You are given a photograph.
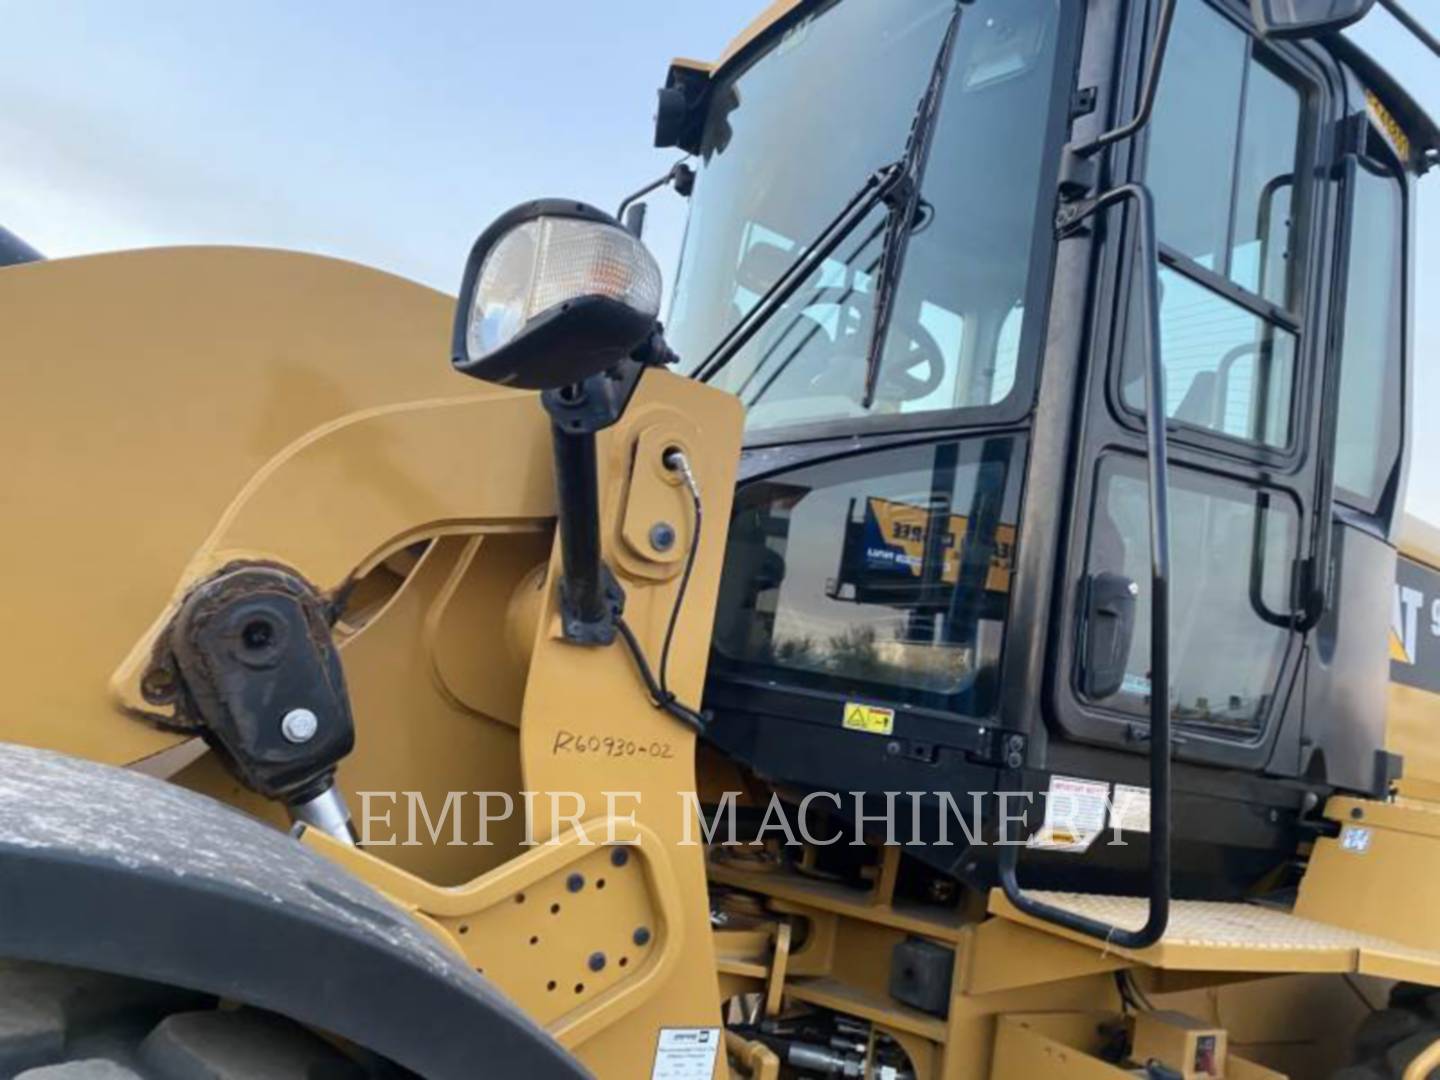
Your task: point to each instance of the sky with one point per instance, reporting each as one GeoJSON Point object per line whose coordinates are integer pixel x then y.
{"type": "Point", "coordinates": [391, 133]}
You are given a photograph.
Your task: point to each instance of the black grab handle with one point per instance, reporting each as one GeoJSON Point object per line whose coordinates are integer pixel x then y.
{"type": "Point", "coordinates": [1159, 489]}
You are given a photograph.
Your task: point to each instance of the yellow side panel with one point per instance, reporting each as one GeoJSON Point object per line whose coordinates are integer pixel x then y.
{"type": "Point", "coordinates": [142, 390]}
{"type": "Point", "coordinates": [1413, 711]}
{"type": "Point", "coordinates": [1412, 730]}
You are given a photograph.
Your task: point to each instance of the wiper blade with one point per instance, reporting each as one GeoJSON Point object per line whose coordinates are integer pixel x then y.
{"type": "Point", "coordinates": [877, 188]}
{"type": "Point", "coordinates": [905, 204]}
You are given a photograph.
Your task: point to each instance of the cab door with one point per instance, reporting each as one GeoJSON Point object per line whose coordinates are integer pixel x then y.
{"type": "Point", "coordinates": [1235, 155]}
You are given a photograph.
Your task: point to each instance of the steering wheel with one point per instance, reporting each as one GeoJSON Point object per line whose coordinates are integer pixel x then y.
{"type": "Point", "coordinates": [905, 375]}
{"type": "Point", "coordinates": [898, 378]}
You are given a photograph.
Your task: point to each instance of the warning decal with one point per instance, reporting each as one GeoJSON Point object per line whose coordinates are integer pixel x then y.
{"type": "Point", "coordinates": [1130, 809]}
{"type": "Point", "coordinates": [871, 718]}
{"type": "Point", "coordinates": [1074, 814]}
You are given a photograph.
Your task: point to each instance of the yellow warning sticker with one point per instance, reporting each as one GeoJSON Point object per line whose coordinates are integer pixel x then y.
{"type": "Point", "coordinates": [869, 718]}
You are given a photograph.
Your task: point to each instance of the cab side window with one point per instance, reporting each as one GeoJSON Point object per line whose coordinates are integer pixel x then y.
{"type": "Point", "coordinates": [1221, 161]}
{"type": "Point", "coordinates": [1369, 418]}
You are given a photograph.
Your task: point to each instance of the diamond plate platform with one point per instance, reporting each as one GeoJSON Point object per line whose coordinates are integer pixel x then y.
{"type": "Point", "coordinates": [1211, 936]}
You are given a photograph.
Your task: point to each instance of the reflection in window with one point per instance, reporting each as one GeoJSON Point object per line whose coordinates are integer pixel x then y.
{"type": "Point", "coordinates": [886, 574]}
{"type": "Point", "coordinates": [1222, 163]}
{"type": "Point", "coordinates": [1222, 154]}
{"type": "Point", "coordinates": [1194, 131]}
{"type": "Point", "coordinates": [1226, 370]}
{"type": "Point", "coordinates": [1367, 437]}
{"type": "Point", "coordinates": [1237, 547]}
{"type": "Point", "coordinates": [1260, 256]}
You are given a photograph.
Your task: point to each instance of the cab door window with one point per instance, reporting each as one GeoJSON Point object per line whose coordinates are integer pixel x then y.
{"type": "Point", "coordinates": [1233, 548]}
{"type": "Point", "coordinates": [1221, 162]}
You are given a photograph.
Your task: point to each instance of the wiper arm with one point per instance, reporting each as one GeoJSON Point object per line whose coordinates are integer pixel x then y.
{"type": "Point", "coordinates": [877, 188]}
{"type": "Point", "coordinates": [905, 203]}
{"type": "Point", "coordinates": [815, 328]}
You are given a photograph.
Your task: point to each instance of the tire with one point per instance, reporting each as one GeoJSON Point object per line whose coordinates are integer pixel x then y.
{"type": "Point", "coordinates": [60, 1023]}
{"type": "Point", "coordinates": [1391, 1038]}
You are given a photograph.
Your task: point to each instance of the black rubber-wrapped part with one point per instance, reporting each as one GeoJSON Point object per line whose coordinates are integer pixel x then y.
{"type": "Point", "coordinates": [110, 870]}
{"type": "Point", "coordinates": [250, 645]}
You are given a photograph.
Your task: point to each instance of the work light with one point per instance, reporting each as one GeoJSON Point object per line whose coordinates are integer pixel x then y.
{"type": "Point", "coordinates": [554, 291]}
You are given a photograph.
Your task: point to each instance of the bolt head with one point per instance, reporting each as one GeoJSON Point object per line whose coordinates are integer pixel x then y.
{"type": "Point", "coordinates": [662, 536]}
{"type": "Point", "coordinates": [299, 725]}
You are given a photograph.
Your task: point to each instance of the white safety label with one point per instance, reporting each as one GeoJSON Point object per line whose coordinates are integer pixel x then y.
{"type": "Point", "coordinates": [1130, 809]}
{"type": "Point", "coordinates": [686, 1054]}
{"type": "Point", "coordinates": [1074, 814]}
{"type": "Point", "coordinates": [1356, 839]}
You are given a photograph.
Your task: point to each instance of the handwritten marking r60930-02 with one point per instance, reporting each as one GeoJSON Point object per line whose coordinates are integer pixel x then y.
{"type": "Point", "coordinates": [615, 746]}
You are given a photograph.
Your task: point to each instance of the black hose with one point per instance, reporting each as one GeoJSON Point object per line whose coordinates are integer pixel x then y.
{"type": "Point", "coordinates": [659, 688]}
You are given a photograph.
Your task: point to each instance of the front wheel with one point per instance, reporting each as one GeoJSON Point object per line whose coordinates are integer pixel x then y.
{"type": "Point", "coordinates": [1390, 1039]}
{"type": "Point", "coordinates": [59, 1023]}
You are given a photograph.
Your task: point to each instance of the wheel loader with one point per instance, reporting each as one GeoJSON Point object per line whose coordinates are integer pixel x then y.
{"type": "Point", "coordinates": [976, 636]}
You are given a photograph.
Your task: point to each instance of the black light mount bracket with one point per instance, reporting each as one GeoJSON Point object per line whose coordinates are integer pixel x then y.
{"type": "Point", "coordinates": [596, 403]}
{"type": "Point", "coordinates": [680, 176]}
{"type": "Point", "coordinates": [591, 598]}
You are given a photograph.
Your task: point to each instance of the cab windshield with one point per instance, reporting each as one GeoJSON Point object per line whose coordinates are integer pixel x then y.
{"type": "Point", "coordinates": [790, 137]}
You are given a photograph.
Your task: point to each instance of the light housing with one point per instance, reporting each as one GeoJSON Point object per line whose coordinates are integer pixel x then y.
{"type": "Point", "coordinates": [1306, 18]}
{"type": "Point", "coordinates": [554, 291]}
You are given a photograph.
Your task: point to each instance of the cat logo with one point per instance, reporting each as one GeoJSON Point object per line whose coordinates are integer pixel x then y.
{"type": "Point", "coordinates": [1404, 621]}
{"type": "Point", "coordinates": [1415, 626]}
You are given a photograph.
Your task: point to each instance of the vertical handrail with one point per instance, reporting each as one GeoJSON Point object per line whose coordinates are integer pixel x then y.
{"type": "Point", "coordinates": [1158, 900]}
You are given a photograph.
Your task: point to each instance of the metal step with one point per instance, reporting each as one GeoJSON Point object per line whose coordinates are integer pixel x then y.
{"type": "Point", "coordinates": [1238, 937]}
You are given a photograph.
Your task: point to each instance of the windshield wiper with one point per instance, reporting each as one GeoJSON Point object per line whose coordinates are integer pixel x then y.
{"type": "Point", "coordinates": [905, 204]}
{"type": "Point", "coordinates": [877, 188]}
{"type": "Point", "coordinates": [898, 186]}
